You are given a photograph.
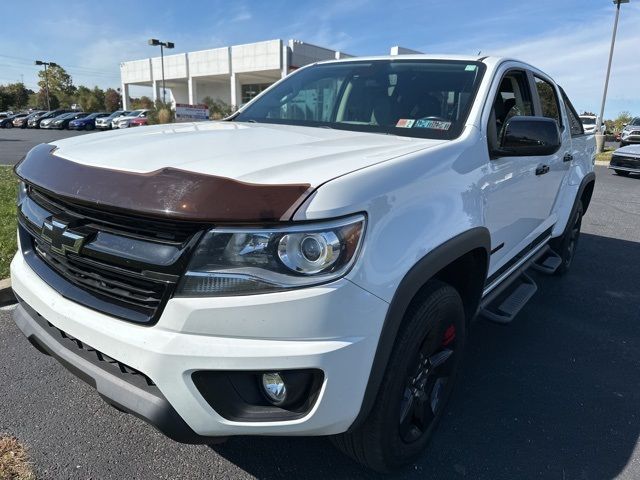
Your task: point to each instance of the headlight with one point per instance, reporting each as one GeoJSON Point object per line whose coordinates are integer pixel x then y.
{"type": "Point", "coordinates": [22, 192]}
{"type": "Point", "coordinates": [245, 261]}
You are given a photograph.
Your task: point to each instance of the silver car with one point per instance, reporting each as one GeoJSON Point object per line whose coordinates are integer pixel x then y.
{"type": "Point", "coordinates": [631, 132]}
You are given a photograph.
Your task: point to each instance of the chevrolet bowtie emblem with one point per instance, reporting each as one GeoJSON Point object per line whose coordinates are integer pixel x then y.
{"type": "Point", "coordinates": [60, 237]}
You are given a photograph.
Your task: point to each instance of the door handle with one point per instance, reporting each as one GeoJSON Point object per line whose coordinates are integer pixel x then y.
{"type": "Point", "coordinates": [567, 157]}
{"type": "Point", "coordinates": [542, 169]}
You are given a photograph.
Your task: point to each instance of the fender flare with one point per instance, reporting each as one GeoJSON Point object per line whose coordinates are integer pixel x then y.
{"type": "Point", "coordinates": [413, 281]}
{"type": "Point", "coordinates": [589, 178]}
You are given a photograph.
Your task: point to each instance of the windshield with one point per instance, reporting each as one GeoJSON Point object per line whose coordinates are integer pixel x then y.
{"type": "Point", "coordinates": [635, 122]}
{"type": "Point", "coordinates": [135, 113]}
{"type": "Point", "coordinates": [588, 120]}
{"type": "Point", "coordinates": [416, 98]}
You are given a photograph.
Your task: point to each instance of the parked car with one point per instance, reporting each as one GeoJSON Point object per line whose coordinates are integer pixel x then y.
{"type": "Point", "coordinates": [21, 122]}
{"type": "Point", "coordinates": [36, 122]}
{"type": "Point", "coordinates": [306, 267]}
{"type": "Point", "coordinates": [104, 123]}
{"type": "Point", "coordinates": [8, 121]}
{"type": "Point", "coordinates": [626, 160]}
{"type": "Point", "coordinates": [61, 122]}
{"type": "Point", "coordinates": [138, 122]}
{"type": "Point", "coordinates": [6, 114]}
{"type": "Point", "coordinates": [631, 132]}
{"type": "Point", "coordinates": [88, 122]}
{"type": "Point", "coordinates": [123, 122]}
{"type": "Point", "coordinates": [590, 122]}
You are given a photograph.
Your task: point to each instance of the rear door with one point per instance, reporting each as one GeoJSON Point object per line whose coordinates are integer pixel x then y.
{"type": "Point", "coordinates": [582, 145]}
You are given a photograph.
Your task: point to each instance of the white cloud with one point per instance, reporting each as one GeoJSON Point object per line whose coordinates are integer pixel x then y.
{"type": "Point", "coordinates": [576, 57]}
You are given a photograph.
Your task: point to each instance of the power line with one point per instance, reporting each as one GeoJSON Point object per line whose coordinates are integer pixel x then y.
{"type": "Point", "coordinates": [86, 70]}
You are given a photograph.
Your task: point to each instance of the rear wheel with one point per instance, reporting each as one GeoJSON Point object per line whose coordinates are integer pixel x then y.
{"type": "Point", "coordinates": [416, 385]}
{"type": "Point", "coordinates": [566, 245]}
{"type": "Point", "coordinates": [622, 173]}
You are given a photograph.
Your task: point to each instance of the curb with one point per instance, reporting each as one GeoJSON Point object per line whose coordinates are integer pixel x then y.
{"type": "Point", "coordinates": [6, 293]}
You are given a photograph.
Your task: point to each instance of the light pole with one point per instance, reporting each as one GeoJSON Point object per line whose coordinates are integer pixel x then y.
{"type": "Point", "coordinates": [155, 42]}
{"type": "Point", "coordinates": [46, 78]}
{"type": "Point", "coordinates": [599, 135]}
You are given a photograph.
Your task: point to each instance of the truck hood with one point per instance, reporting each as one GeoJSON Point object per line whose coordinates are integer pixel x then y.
{"type": "Point", "coordinates": [248, 152]}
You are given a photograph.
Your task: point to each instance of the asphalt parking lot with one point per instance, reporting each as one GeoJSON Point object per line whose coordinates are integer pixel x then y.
{"type": "Point", "coordinates": [552, 395]}
{"type": "Point", "coordinates": [15, 142]}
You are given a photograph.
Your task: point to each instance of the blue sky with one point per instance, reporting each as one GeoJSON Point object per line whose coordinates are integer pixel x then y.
{"type": "Point", "coordinates": [569, 39]}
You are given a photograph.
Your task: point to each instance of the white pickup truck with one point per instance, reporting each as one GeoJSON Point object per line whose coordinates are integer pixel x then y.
{"type": "Point", "coordinates": [311, 265]}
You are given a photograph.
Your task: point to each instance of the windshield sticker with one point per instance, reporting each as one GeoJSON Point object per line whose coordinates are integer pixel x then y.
{"type": "Point", "coordinates": [433, 124]}
{"type": "Point", "coordinates": [470, 68]}
{"type": "Point", "coordinates": [405, 123]}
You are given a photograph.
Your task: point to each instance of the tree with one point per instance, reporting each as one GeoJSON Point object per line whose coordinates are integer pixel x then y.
{"type": "Point", "coordinates": [142, 102]}
{"type": "Point", "coordinates": [112, 100]}
{"type": "Point", "coordinates": [60, 84]}
{"type": "Point", "coordinates": [217, 108]}
{"type": "Point", "coordinates": [5, 99]}
{"type": "Point", "coordinates": [623, 119]}
{"type": "Point", "coordinates": [42, 100]}
{"type": "Point", "coordinates": [19, 94]}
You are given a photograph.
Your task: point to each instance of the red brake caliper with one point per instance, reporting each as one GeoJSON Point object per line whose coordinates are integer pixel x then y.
{"type": "Point", "coordinates": [449, 335]}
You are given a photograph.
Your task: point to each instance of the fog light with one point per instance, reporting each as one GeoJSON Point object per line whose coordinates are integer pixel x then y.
{"type": "Point", "coordinates": [274, 387]}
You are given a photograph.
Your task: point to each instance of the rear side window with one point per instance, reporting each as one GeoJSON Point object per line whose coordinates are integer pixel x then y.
{"type": "Point", "coordinates": [548, 100]}
{"type": "Point", "coordinates": [575, 125]}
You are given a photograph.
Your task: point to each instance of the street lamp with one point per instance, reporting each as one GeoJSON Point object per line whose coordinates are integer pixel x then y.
{"type": "Point", "coordinates": [599, 135]}
{"type": "Point", "coordinates": [155, 42]}
{"type": "Point", "coordinates": [46, 78]}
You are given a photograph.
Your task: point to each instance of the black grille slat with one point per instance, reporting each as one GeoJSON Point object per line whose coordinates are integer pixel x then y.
{"type": "Point", "coordinates": [121, 294]}
{"type": "Point", "coordinates": [101, 278]}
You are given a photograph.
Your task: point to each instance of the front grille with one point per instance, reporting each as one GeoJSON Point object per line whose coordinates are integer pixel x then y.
{"type": "Point", "coordinates": [123, 287]}
{"type": "Point", "coordinates": [127, 267]}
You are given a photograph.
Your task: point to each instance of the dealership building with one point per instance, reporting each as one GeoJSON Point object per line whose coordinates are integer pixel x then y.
{"type": "Point", "coordinates": [233, 75]}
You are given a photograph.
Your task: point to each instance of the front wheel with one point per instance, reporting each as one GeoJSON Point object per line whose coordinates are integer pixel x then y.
{"type": "Point", "coordinates": [9, 125]}
{"type": "Point", "coordinates": [566, 245]}
{"type": "Point", "coordinates": [417, 383]}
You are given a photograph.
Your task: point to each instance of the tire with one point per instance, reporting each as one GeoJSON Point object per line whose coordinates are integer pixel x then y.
{"type": "Point", "coordinates": [623, 144]}
{"type": "Point", "coordinates": [9, 125]}
{"type": "Point", "coordinates": [411, 401]}
{"type": "Point", "coordinates": [622, 173]}
{"type": "Point", "coordinates": [566, 245]}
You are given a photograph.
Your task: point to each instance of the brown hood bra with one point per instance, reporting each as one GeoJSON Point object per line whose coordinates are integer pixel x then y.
{"type": "Point", "coordinates": [169, 193]}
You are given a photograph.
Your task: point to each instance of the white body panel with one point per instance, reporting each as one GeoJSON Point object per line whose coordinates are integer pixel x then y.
{"type": "Point", "coordinates": [417, 194]}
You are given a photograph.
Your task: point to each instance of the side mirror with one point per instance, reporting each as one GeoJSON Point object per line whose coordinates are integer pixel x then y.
{"type": "Point", "coordinates": [529, 136]}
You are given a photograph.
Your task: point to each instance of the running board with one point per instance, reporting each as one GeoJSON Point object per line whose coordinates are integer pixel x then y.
{"type": "Point", "coordinates": [505, 305]}
{"type": "Point", "coordinates": [548, 262]}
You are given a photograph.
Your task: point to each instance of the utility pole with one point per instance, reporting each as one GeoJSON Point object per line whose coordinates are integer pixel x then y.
{"type": "Point", "coordinates": [155, 42]}
{"type": "Point", "coordinates": [599, 135]}
{"type": "Point", "coordinates": [46, 78]}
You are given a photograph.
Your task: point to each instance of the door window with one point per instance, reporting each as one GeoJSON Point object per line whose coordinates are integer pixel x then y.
{"type": "Point", "coordinates": [575, 124]}
{"type": "Point", "coordinates": [512, 99]}
{"type": "Point", "coordinates": [548, 100]}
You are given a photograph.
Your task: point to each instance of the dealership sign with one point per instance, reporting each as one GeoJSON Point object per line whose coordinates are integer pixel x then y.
{"type": "Point", "coordinates": [186, 112]}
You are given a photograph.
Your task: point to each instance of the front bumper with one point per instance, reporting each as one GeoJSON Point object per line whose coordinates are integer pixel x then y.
{"type": "Point", "coordinates": [333, 328]}
{"type": "Point", "coordinates": [625, 163]}
{"type": "Point", "coordinates": [630, 139]}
